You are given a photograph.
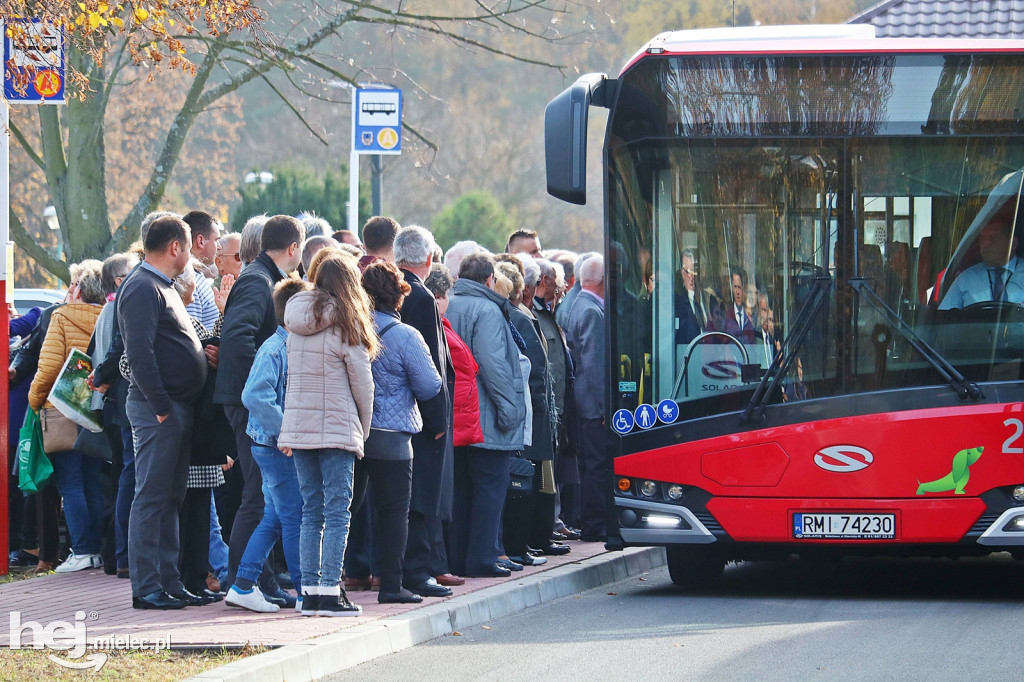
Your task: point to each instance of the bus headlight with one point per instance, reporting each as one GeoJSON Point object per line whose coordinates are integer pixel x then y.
{"type": "Point", "coordinates": [1015, 524]}
{"type": "Point", "coordinates": [648, 488]}
{"type": "Point", "coordinates": [1018, 494]}
{"type": "Point", "coordinates": [675, 492]}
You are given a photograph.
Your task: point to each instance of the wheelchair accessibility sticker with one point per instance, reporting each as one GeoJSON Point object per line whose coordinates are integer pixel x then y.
{"type": "Point", "coordinates": [622, 422]}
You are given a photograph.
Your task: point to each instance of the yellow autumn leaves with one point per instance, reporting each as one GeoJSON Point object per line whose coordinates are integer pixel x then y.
{"type": "Point", "coordinates": [96, 15]}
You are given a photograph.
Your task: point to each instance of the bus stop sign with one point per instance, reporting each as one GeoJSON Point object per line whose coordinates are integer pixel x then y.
{"type": "Point", "coordinates": [378, 114]}
{"type": "Point", "coordinates": [34, 61]}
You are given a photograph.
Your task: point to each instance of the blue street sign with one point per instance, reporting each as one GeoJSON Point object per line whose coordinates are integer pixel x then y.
{"type": "Point", "coordinates": [668, 411]}
{"type": "Point", "coordinates": [645, 416]}
{"type": "Point", "coordinates": [378, 125]}
{"type": "Point", "coordinates": [622, 422]}
{"type": "Point", "coordinates": [34, 61]}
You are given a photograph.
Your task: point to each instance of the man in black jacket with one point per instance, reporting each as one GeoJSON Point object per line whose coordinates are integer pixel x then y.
{"type": "Point", "coordinates": [433, 454]}
{"type": "Point", "coordinates": [249, 320]}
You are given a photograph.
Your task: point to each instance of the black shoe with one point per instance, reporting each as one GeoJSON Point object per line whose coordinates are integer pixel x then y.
{"type": "Point", "coordinates": [510, 565]}
{"type": "Point", "coordinates": [494, 571]}
{"type": "Point", "coordinates": [403, 596]}
{"type": "Point", "coordinates": [555, 549]}
{"type": "Point", "coordinates": [337, 605]}
{"type": "Point", "coordinates": [528, 559]}
{"type": "Point", "coordinates": [285, 581]}
{"type": "Point", "coordinates": [193, 599]}
{"type": "Point", "coordinates": [158, 600]}
{"type": "Point", "coordinates": [207, 594]}
{"type": "Point", "coordinates": [593, 538]}
{"type": "Point", "coordinates": [429, 588]}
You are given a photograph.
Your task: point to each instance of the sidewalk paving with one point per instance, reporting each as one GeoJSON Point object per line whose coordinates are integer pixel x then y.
{"type": "Point", "coordinates": [106, 601]}
{"type": "Point", "coordinates": [323, 656]}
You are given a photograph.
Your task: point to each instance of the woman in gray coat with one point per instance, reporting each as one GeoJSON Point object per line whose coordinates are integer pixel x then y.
{"type": "Point", "coordinates": [403, 373]}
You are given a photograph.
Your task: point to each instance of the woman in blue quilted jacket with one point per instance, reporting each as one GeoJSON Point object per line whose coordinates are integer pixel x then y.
{"type": "Point", "coordinates": [403, 373]}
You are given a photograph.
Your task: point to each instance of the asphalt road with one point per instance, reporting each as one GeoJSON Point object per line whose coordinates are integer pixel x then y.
{"type": "Point", "coordinates": [854, 620]}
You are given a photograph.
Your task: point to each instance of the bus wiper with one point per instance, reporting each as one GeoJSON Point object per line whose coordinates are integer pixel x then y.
{"type": "Point", "coordinates": [754, 413]}
{"type": "Point", "coordinates": [964, 389]}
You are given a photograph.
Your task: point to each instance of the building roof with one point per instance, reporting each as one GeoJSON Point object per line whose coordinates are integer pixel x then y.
{"type": "Point", "coordinates": [945, 18]}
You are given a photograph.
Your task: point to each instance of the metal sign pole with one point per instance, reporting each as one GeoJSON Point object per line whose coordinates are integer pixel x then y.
{"type": "Point", "coordinates": [353, 175]}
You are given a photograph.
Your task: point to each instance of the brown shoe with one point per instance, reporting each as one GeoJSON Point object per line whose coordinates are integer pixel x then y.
{"type": "Point", "coordinates": [212, 584]}
{"type": "Point", "coordinates": [43, 567]}
{"type": "Point", "coordinates": [449, 580]}
{"type": "Point", "coordinates": [357, 584]}
{"type": "Point", "coordinates": [375, 583]}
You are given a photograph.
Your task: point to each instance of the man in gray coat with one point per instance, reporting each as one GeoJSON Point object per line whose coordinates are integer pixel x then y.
{"type": "Point", "coordinates": [481, 317]}
{"type": "Point", "coordinates": [585, 335]}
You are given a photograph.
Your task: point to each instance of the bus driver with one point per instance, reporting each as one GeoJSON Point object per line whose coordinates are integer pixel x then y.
{"type": "Point", "coordinates": [1000, 274]}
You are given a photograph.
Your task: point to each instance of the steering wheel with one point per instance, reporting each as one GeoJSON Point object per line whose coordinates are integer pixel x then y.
{"type": "Point", "coordinates": [996, 308]}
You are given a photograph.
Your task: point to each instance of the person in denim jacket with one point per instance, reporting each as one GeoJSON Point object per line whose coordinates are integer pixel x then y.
{"type": "Point", "coordinates": [263, 396]}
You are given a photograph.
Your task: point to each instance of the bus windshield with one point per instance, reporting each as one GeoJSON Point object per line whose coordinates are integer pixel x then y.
{"type": "Point", "coordinates": [736, 184]}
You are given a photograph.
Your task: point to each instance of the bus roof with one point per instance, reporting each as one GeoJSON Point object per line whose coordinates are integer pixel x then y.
{"type": "Point", "coordinates": [807, 39]}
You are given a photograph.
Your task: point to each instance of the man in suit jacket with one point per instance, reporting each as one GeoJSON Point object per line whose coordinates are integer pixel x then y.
{"type": "Point", "coordinates": [249, 320]}
{"type": "Point", "coordinates": [433, 450]}
{"type": "Point", "coordinates": [585, 332]}
{"type": "Point", "coordinates": [690, 310]}
{"type": "Point", "coordinates": [737, 321]}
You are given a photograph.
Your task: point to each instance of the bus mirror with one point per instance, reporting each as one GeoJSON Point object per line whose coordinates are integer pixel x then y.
{"type": "Point", "coordinates": [565, 136]}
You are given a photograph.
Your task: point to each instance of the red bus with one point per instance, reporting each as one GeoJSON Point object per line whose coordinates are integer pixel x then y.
{"type": "Point", "coordinates": [813, 293]}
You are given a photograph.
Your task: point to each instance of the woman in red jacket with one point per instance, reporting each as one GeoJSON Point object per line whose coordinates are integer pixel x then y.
{"type": "Point", "coordinates": [467, 430]}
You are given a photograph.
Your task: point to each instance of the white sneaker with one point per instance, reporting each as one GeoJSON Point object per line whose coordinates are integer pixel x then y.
{"type": "Point", "coordinates": [298, 603]}
{"type": "Point", "coordinates": [77, 562]}
{"type": "Point", "coordinates": [252, 600]}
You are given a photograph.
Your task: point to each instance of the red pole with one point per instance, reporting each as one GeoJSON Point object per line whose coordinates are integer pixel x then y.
{"type": "Point", "coordinates": [5, 463]}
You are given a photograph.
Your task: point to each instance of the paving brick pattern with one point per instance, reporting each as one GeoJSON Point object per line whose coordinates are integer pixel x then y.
{"type": "Point", "coordinates": [106, 602]}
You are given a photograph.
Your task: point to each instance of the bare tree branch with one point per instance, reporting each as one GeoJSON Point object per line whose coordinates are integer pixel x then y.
{"type": "Point", "coordinates": [23, 141]}
{"type": "Point", "coordinates": [25, 242]}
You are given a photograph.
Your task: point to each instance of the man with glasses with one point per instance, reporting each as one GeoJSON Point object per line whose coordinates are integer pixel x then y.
{"type": "Point", "coordinates": [228, 260]}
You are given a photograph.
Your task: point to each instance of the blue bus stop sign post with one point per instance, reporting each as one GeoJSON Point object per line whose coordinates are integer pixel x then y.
{"type": "Point", "coordinates": [34, 68]}
{"type": "Point", "coordinates": [378, 128]}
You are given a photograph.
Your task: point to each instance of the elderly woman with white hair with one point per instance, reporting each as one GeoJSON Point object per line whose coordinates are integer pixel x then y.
{"type": "Point", "coordinates": [77, 476]}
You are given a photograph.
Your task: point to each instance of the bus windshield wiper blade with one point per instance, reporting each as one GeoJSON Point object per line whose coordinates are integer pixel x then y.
{"type": "Point", "coordinates": [964, 389]}
{"type": "Point", "coordinates": [754, 413]}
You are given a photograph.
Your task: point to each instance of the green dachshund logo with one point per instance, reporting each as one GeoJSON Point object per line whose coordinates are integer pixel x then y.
{"type": "Point", "coordinates": [957, 478]}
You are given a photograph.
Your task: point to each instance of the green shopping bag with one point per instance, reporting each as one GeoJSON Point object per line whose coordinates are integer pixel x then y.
{"type": "Point", "coordinates": [34, 467]}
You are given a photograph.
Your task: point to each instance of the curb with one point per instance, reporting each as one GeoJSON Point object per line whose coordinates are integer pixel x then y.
{"type": "Point", "coordinates": [316, 658]}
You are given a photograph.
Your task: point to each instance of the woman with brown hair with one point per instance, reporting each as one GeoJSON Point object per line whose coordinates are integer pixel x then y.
{"type": "Point", "coordinates": [403, 373]}
{"type": "Point", "coordinates": [327, 412]}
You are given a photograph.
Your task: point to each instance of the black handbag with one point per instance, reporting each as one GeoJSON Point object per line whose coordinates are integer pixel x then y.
{"type": "Point", "coordinates": [95, 445]}
{"type": "Point", "coordinates": [520, 482]}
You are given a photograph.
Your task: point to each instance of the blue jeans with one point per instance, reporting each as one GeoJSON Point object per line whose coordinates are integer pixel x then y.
{"type": "Point", "coordinates": [325, 481]}
{"type": "Point", "coordinates": [282, 515]}
{"type": "Point", "coordinates": [218, 548]}
{"type": "Point", "coordinates": [78, 480]}
{"type": "Point", "coordinates": [125, 495]}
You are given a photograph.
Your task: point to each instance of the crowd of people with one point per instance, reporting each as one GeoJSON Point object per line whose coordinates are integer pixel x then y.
{"type": "Point", "coordinates": [293, 407]}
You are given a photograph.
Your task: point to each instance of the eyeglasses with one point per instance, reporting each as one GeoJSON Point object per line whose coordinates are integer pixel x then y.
{"type": "Point", "coordinates": [229, 255]}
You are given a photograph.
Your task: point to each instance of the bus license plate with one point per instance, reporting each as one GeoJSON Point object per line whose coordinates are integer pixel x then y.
{"type": "Point", "coordinates": [844, 526]}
